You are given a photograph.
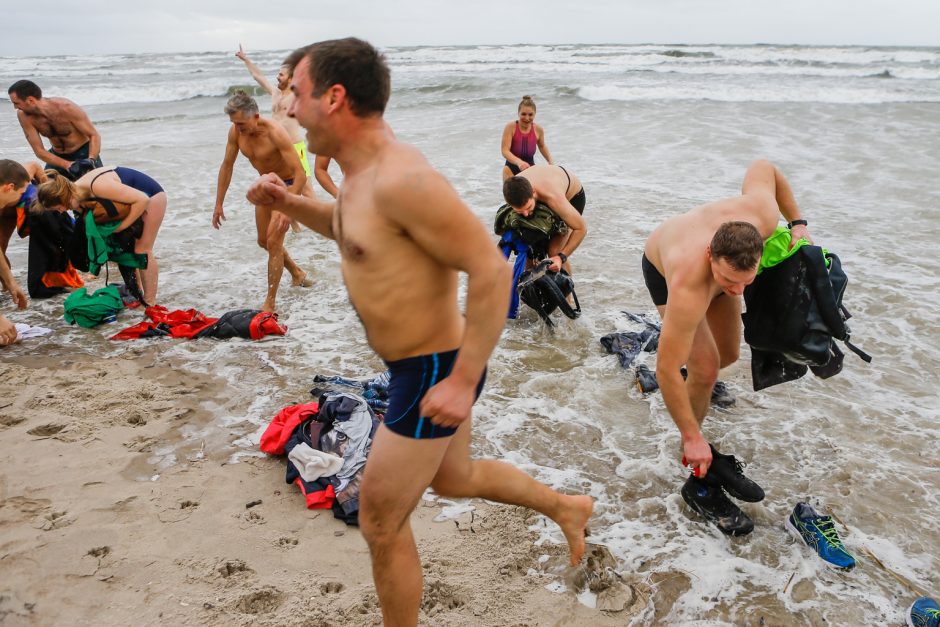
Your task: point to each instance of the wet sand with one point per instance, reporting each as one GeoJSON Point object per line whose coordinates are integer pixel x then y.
{"type": "Point", "coordinates": [113, 513]}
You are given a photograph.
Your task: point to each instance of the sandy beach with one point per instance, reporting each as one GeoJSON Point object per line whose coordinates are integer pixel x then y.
{"type": "Point", "coordinates": [87, 538]}
{"type": "Point", "coordinates": [128, 465]}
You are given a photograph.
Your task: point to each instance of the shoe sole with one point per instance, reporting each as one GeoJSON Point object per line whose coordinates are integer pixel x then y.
{"type": "Point", "coordinates": [697, 509]}
{"type": "Point", "coordinates": [907, 617]}
{"type": "Point", "coordinates": [796, 534]}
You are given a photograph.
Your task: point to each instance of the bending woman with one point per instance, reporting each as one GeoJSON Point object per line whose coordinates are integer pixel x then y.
{"type": "Point", "coordinates": [120, 185]}
{"type": "Point", "coordinates": [520, 139]}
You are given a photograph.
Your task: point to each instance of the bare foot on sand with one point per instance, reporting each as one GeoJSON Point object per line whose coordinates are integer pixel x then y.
{"type": "Point", "coordinates": [303, 281]}
{"type": "Point", "coordinates": [573, 518]}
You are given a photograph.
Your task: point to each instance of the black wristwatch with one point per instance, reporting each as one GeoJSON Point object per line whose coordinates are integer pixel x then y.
{"type": "Point", "coordinates": [563, 257]}
{"type": "Point", "coordinates": [790, 225]}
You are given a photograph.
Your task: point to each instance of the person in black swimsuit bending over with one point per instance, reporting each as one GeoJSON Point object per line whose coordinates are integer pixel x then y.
{"type": "Point", "coordinates": [562, 192]}
{"type": "Point", "coordinates": [125, 186]}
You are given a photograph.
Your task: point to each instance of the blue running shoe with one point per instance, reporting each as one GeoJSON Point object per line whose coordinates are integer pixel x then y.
{"type": "Point", "coordinates": [820, 534]}
{"type": "Point", "coordinates": [924, 613]}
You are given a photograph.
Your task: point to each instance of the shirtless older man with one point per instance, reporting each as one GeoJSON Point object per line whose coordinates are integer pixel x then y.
{"type": "Point", "coordinates": [76, 145]}
{"type": "Point", "coordinates": [696, 266]}
{"type": "Point", "coordinates": [563, 193]}
{"type": "Point", "coordinates": [281, 99]}
{"type": "Point", "coordinates": [403, 235]}
{"type": "Point", "coordinates": [268, 147]}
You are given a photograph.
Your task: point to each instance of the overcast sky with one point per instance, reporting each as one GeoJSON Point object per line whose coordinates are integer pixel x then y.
{"type": "Point", "coordinates": [44, 27]}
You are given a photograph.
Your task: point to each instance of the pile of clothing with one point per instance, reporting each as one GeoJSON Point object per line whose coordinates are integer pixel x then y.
{"type": "Point", "coordinates": [627, 345]}
{"type": "Point", "coordinates": [374, 390]}
{"type": "Point", "coordinates": [326, 444]}
{"type": "Point", "coordinates": [250, 324]}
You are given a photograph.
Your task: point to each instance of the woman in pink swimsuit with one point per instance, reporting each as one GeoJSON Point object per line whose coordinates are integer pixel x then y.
{"type": "Point", "coordinates": [520, 139]}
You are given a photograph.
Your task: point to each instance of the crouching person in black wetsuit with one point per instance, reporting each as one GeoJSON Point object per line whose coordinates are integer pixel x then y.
{"type": "Point", "coordinates": [134, 195]}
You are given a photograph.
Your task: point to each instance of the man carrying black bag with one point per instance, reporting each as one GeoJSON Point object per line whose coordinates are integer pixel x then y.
{"type": "Point", "coordinates": [696, 266]}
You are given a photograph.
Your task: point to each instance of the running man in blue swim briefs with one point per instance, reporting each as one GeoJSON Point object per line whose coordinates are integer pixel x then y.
{"type": "Point", "coordinates": [268, 147]}
{"type": "Point", "coordinates": [404, 235]}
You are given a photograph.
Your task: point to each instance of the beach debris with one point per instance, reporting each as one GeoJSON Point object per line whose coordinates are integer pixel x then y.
{"type": "Point", "coordinates": [251, 504]}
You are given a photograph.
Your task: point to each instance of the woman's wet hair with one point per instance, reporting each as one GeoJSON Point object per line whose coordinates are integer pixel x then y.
{"type": "Point", "coordinates": [738, 243]}
{"type": "Point", "coordinates": [241, 101]}
{"type": "Point", "coordinates": [526, 102]}
{"type": "Point", "coordinates": [55, 192]}
{"type": "Point", "coordinates": [517, 190]}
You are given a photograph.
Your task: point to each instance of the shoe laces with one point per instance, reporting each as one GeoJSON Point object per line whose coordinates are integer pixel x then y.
{"type": "Point", "coordinates": [829, 532]}
{"type": "Point", "coordinates": [932, 613]}
{"type": "Point", "coordinates": [737, 465]}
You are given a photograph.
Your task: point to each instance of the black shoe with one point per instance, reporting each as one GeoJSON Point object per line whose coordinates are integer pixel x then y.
{"type": "Point", "coordinates": [728, 472]}
{"type": "Point", "coordinates": [722, 396]}
{"type": "Point", "coordinates": [712, 503]}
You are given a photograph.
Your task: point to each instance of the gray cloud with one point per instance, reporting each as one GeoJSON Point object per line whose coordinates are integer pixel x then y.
{"type": "Point", "coordinates": [46, 28]}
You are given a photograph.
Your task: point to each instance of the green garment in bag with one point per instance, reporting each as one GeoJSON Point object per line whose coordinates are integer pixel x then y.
{"type": "Point", "coordinates": [103, 248]}
{"type": "Point", "coordinates": [775, 248]}
{"type": "Point", "coordinates": [91, 310]}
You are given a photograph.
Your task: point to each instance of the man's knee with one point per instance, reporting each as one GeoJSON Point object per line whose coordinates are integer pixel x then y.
{"type": "Point", "coordinates": [452, 486]}
{"type": "Point", "coordinates": [379, 519]}
{"type": "Point", "coordinates": [704, 370]}
{"type": "Point", "coordinates": [730, 355]}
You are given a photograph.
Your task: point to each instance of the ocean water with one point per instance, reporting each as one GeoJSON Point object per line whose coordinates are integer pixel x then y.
{"type": "Point", "coordinates": [651, 131]}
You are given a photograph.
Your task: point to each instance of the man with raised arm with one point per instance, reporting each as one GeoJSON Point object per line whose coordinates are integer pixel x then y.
{"type": "Point", "coordinates": [281, 99]}
{"type": "Point", "coordinates": [696, 266]}
{"type": "Point", "coordinates": [75, 143]}
{"type": "Point", "coordinates": [404, 235]}
{"type": "Point", "coordinates": [268, 147]}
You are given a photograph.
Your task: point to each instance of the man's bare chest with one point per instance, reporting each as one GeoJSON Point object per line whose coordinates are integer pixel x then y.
{"type": "Point", "coordinates": [49, 128]}
{"type": "Point", "coordinates": [258, 148]}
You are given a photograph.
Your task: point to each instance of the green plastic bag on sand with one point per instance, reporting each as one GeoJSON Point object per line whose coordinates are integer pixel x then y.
{"type": "Point", "coordinates": [91, 310]}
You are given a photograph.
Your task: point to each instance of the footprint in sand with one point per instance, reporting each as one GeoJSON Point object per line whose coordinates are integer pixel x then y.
{"type": "Point", "coordinates": [53, 520]}
{"type": "Point", "coordinates": [189, 504]}
{"type": "Point", "coordinates": [331, 587]}
{"type": "Point", "coordinates": [249, 518]}
{"type": "Point", "coordinates": [233, 567]}
{"type": "Point", "coordinates": [141, 444]}
{"type": "Point", "coordinates": [262, 601]}
{"type": "Point", "coordinates": [7, 420]}
{"type": "Point", "coordinates": [99, 551]}
{"type": "Point", "coordinates": [136, 420]}
{"type": "Point", "coordinates": [46, 430]}
{"type": "Point", "coordinates": [438, 597]}
{"type": "Point", "coordinates": [26, 508]}
{"type": "Point", "coordinates": [286, 543]}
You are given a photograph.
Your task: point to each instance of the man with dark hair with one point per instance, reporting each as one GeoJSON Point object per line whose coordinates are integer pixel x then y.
{"type": "Point", "coordinates": [76, 145]}
{"type": "Point", "coordinates": [403, 235]}
{"type": "Point", "coordinates": [269, 149]}
{"type": "Point", "coordinates": [16, 193]}
{"type": "Point", "coordinates": [560, 191]}
{"type": "Point", "coordinates": [696, 266]}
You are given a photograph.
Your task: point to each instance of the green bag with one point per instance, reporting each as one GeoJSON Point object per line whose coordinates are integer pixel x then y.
{"type": "Point", "coordinates": [91, 310]}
